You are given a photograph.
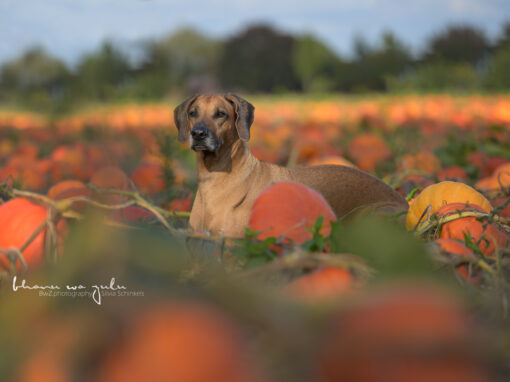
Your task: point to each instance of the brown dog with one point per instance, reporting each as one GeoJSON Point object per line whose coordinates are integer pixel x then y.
{"type": "Point", "coordinates": [230, 178]}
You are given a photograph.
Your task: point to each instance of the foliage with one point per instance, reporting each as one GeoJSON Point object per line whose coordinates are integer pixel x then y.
{"type": "Point", "coordinates": [458, 43]}
{"type": "Point", "coordinates": [258, 59]}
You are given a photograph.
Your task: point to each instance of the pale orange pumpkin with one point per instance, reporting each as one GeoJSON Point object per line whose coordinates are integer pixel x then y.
{"type": "Point", "coordinates": [443, 193]}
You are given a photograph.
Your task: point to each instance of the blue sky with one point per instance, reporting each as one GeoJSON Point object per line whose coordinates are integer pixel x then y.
{"type": "Point", "coordinates": [69, 28]}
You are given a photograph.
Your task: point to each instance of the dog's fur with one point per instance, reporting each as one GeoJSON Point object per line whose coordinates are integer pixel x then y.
{"type": "Point", "coordinates": [230, 178]}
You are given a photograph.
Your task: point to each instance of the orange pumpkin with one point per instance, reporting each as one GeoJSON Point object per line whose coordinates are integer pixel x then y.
{"type": "Point", "coordinates": [424, 161]}
{"type": "Point", "coordinates": [323, 283]}
{"type": "Point", "coordinates": [490, 234]}
{"type": "Point", "coordinates": [132, 214]}
{"type": "Point", "coordinates": [288, 209]}
{"type": "Point", "coordinates": [440, 194]}
{"type": "Point", "coordinates": [110, 178]}
{"type": "Point", "coordinates": [25, 172]}
{"type": "Point", "coordinates": [455, 173]}
{"type": "Point", "coordinates": [149, 178]}
{"type": "Point", "coordinates": [64, 185]}
{"type": "Point", "coordinates": [405, 333]}
{"type": "Point", "coordinates": [19, 218]}
{"type": "Point", "coordinates": [181, 204]}
{"type": "Point", "coordinates": [337, 160]}
{"type": "Point", "coordinates": [367, 150]}
{"type": "Point", "coordinates": [457, 248]}
{"type": "Point", "coordinates": [166, 341]}
{"type": "Point", "coordinates": [500, 201]}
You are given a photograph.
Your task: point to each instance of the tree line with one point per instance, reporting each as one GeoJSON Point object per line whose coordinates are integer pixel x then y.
{"type": "Point", "coordinates": [260, 59]}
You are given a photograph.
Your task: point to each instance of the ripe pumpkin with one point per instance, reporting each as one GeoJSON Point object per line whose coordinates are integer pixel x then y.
{"type": "Point", "coordinates": [110, 178]}
{"type": "Point", "coordinates": [500, 201]}
{"type": "Point", "coordinates": [148, 178]}
{"type": "Point", "coordinates": [457, 248]}
{"type": "Point", "coordinates": [132, 214]}
{"type": "Point", "coordinates": [25, 172]}
{"type": "Point", "coordinates": [455, 173]}
{"type": "Point", "coordinates": [498, 180]}
{"type": "Point", "coordinates": [288, 209]}
{"type": "Point", "coordinates": [64, 185]}
{"type": "Point", "coordinates": [424, 161]}
{"type": "Point", "coordinates": [19, 218]}
{"type": "Point", "coordinates": [443, 193]}
{"type": "Point", "coordinates": [179, 342]}
{"type": "Point", "coordinates": [323, 283]}
{"type": "Point", "coordinates": [469, 225]}
{"type": "Point", "coordinates": [181, 204]}
{"type": "Point", "coordinates": [337, 160]}
{"type": "Point", "coordinates": [405, 333]}
{"type": "Point", "coordinates": [367, 150]}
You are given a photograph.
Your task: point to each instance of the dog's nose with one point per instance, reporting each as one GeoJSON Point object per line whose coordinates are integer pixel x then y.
{"type": "Point", "coordinates": [199, 132]}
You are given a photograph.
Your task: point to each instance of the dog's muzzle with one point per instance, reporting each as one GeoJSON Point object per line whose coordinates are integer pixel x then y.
{"type": "Point", "coordinates": [202, 139]}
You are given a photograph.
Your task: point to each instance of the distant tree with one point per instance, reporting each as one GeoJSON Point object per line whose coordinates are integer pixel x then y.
{"type": "Point", "coordinates": [503, 40]}
{"type": "Point", "coordinates": [498, 74]}
{"type": "Point", "coordinates": [183, 59]}
{"type": "Point", "coordinates": [315, 64]}
{"type": "Point", "coordinates": [373, 65]}
{"type": "Point", "coordinates": [259, 59]}
{"type": "Point", "coordinates": [103, 73]}
{"type": "Point", "coordinates": [33, 70]}
{"type": "Point", "coordinates": [437, 76]}
{"type": "Point", "coordinates": [461, 43]}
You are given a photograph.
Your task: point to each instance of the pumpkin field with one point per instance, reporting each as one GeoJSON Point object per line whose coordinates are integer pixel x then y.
{"type": "Point", "coordinates": [102, 280]}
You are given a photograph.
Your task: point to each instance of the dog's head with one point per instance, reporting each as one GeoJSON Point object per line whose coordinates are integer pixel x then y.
{"type": "Point", "coordinates": [208, 121]}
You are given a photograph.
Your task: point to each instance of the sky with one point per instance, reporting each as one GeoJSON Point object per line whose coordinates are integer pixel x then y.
{"type": "Point", "coordinates": [70, 28]}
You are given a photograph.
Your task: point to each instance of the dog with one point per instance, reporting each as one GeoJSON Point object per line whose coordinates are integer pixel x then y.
{"type": "Point", "coordinates": [230, 177]}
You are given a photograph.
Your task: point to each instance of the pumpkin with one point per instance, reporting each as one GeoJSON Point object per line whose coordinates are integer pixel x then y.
{"type": "Point", "coordinates": [132, 214]}
{"type": "Point", "coordinates": [323, 283]}
{"type": "Point", "coordinates": [181, 204]}
{"type": "Point", "coordinates": [367, 150]}
{"type": "Point", "coordinates": [337, 160]}
{"type": "Point", "coordinates": [442, 193]}
{"type": "Point", "coordinates": [457, 248]}
{"type": "Point", "coordinates": [455, 173]}
{"type": "Point", "coordinates": [64, 185]}
{"type": "Point", "coordinates": [456, 229]}
{"type": "Point", "coordinates": [498, 180]}
{"type": "Point", "coordinates": [149, 178]}
{"type": "Point", "coordinates": [25, 172]}
{"type": "Point", "coordinates": [76, 192]}
{"type": "Point", "coordinates": [288, 209]}
{"type": "Point", "coordinates": [423, 161]}
{"type": "Point", "coordinates": [500, 201]}
{"type": "Point", "coordinates": [166, 341]}
{"type": "Point", "coordinates": [19, 218]}
{"type": "Point", "coordinates": [110, 178]}
{"type": "Point", "coordinates": [403, 333]}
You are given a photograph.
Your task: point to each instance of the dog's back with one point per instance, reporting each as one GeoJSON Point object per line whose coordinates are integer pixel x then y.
{"type": "Point", "coordinates": [345, 188]}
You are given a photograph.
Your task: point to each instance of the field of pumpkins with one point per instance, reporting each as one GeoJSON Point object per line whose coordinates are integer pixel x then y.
{"type": "Point", "coordinates": [102, 280]}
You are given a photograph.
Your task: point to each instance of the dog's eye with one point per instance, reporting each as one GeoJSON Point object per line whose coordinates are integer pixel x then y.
{"type": "Point", "coordinates": [220, 114]}
{"type": "Point", "coordinates": [193, 113]}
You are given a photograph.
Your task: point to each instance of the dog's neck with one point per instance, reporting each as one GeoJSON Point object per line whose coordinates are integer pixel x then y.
{"type": "Point", "coordinates": [228, 159]}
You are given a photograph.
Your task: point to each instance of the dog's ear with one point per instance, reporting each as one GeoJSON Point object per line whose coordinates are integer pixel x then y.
{"type": "Point", "coordinates": [181, 118]}
{"type": "Point", "coordinates": [244, 115]}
